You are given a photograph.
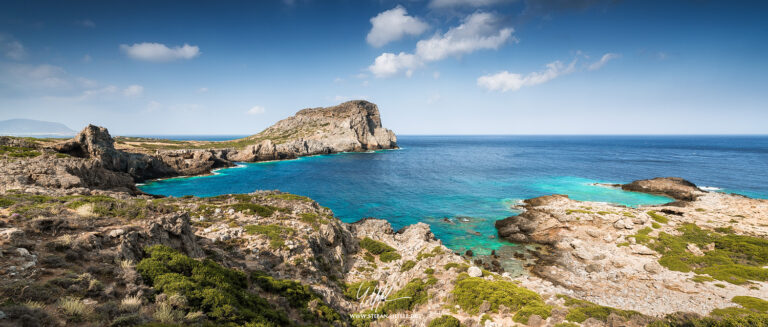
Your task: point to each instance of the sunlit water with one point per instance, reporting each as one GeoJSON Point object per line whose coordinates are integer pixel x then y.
{"type": "Point", "coordinates": [481, 177]}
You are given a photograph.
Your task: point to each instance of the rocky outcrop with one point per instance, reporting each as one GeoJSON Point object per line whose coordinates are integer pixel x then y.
{"type": "Point", "coordinates": [604, 253]}
{"type": "Point", "coordinates": [533, 225]}
{"type": "Point", "coordinates": [675, 187]}
{"type": "Point", "coordinates": [95, 143]}
{"type": "Point", "coordinates": [350, 126]}
{"type": "Point", "coordinates": [171, 230]}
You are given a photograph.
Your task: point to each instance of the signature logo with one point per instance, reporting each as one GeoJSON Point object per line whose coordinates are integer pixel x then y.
{"type": "Point", "coordinates": [372, 298]}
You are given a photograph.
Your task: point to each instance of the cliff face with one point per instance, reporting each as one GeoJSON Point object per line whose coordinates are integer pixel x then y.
{"type": "Point", "coordinates": [350, 126]}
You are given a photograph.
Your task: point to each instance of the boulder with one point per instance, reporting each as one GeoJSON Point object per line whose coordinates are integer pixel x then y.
{"type": "Point", "coordinates": [674, 187]}
{"type": "Point", "coordinates": [474, 272]}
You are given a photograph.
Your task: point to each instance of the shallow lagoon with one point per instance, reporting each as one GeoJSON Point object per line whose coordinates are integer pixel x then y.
{"type": "Point", "coordinates": [481, 177]}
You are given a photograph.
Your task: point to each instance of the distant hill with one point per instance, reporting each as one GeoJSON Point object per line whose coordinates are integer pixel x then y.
{"type": "Point", "coordinates": [31, 127]}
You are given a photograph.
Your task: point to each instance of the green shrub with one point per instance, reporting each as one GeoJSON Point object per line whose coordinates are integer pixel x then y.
{"type": "Point", "coordinates": [429, 271]}
{"type": "Point", "coordinates": [460, 267]}
{"type": "Point", "coordinates": [298, 296]}
{"type": "Point", "coordinates": [470, 292]}
{"type": "Point", "coordinates": [359, 289]}
{"type": "Point", "coordinates": [290, 197]}
{"type": "Point", "coordinates": [736, 259]}
{"type": "Point", "coordinates": [445, 321]}
{"type": "Point", "coordinates": [252, 208]}
{"type": "Point", "coordinates": [221, 293]}
{"type": "Point", "coordinates": [389, 256]}
{"type": "Point", "coordinates": [751, 303]}
{"type": "Point", "coordinates": [275, 233]}
{"type": "Point", "coordinates": [657, 217]}
{"type": "Point", "coordinates": [435, 251]}
{"type": "Point", "coordinates": [526, 312]}
{"type": "Point", "coordinates": [385, 252]}
{"type": "Point", "coordinates": [581, 310]}
{"type": "Point", "coordinates": [375, 247]}
{"type": "Point", "coordinates": [408, 265]}
{"type": "Point", "coordinates": [408, 297]}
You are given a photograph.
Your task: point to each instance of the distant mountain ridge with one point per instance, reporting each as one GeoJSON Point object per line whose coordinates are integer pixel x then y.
{"type": "Point", "coordinates": [31, 127]}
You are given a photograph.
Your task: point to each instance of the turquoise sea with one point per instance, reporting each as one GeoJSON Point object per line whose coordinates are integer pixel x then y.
{"type": "Point", "coordinates": [474, 180]}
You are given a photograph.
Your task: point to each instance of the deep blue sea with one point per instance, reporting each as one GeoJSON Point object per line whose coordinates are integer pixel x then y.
{"type": "Point", "coordinates": [480, 177]}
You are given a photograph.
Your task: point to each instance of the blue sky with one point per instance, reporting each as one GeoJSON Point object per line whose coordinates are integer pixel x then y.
{"type": "Point", "coordinates": [432, 66]}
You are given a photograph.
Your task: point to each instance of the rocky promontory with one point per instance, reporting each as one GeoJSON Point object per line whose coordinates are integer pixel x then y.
{"type": "Point", "coordinates": [93, 159]}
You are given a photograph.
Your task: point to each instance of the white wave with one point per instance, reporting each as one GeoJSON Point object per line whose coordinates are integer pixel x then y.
{"type": "Point", "coordinates": [710, 188]}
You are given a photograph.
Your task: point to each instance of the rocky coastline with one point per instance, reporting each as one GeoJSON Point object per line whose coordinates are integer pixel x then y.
{"type": "Point", "coordinates": [81, 246]}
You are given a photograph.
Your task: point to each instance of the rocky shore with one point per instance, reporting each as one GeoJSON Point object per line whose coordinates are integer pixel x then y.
{"type": "Point", "coordinates": [691, 255]}
{"type": "Point", "coordinates": [94, 160]}
{"type": "Point", "coordinates": [81, 246]}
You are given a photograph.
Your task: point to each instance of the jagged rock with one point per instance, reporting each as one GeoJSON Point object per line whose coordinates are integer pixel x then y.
{"type": "Point", "coordinates": [674, 187]}
{"type": "Point", "coordinates": [172, 230]}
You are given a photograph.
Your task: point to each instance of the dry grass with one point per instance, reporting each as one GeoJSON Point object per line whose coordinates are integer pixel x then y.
{"type": "Point", "coordinates": [85, 210]}
{"type": "Point", "coordinates": [34, 304]}
{"type": "Point", "coordinates": [74, 307]}
{"type": "Point", "coordinates": [164, 313]}
{"type": "Point", "coordinates": [130, 304]}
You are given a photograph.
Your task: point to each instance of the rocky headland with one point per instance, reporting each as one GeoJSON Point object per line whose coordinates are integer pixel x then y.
{"type": "Point", "coordinates": [93, 159]}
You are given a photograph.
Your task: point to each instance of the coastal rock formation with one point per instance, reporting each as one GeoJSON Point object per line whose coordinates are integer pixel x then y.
{"type": "Point", "coordinates": [624, 257]}
{"type": "Point", "coordinates": [90, 160]}
{"type": "Point", "coordinates": [95, 143]}
{"type": "Point", "coordinates": [675, 187]}
{"type": "Point", "coordinates": [350, 126]}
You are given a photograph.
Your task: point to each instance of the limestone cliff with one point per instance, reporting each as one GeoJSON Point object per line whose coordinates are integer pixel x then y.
{"type": "Point", "coordinates": [350, 126]}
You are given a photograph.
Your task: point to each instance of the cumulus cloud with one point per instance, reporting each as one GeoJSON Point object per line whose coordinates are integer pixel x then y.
{"type": "Point", "coordinates": [392, 25]}
{"type": "Point", "coordinates": [11, 48]}
{"type": "Point", "coordinates": [159, 52]}
{"type": "Point", "coordinates": [478, 31]}
{"type": "Point", "coordinates": [505, 81]}
{"type": "Point", "coordinates": [464, 3]}
{"type": "Point", "coordinates": [388, 64]}
{"type": "Point", "coordinates": [603, 60]}
{"type": "Point", "coordinates": [133, 91]}
{"type": "Point", "coordinates": [256, 110]}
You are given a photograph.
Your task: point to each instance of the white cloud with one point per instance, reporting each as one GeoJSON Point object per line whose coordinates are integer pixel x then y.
{"type": "Point", "coordinates": [463, 3]}
{"type": "Point", "coordinates": [436, 75]}
{"type": "Point", "coordinates": [392, 25]}
{"type": "Point", "coordinates": [603, 60]}
{"type": "Point", "coordinates": [388, 64]}
{"type": "Point", "coordinates": [159, 52]}
{"type": "Point", "coordinates": [11, 48]}
{"type": "Point", "coordinates": [256, 110]}
{"type": "Point", "coordinates": [478, 31]}
{"type": "Point", "coordinates": [505, 81]}
{"type": "Point", "coordinates": [86, 23]}
{"type": "Point", "coordinates": [87, 58]}
{"type": "Point", "coordinates": [202, 90]}
{"type": "Point", "coordinates": [133, 91]}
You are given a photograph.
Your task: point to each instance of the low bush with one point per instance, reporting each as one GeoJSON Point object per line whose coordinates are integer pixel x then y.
{"type": "Point", "coordinates": [221, 293]}
{"type": "Point", "coordinates": [581, 310]}
{"type": "Point", "coordinates": [470, 292]}
{"type": "Point", "coordinates": [445, 321]}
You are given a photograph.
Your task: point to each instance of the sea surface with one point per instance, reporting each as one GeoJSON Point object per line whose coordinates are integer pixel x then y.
{"type": "Point", "coordinates": [475, 180]}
